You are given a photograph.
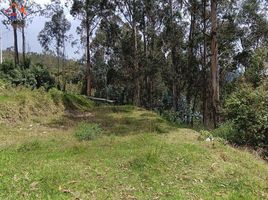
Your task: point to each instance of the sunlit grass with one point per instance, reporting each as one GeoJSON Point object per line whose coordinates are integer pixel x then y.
{"type": "Point", "coordinates": [139, 155]}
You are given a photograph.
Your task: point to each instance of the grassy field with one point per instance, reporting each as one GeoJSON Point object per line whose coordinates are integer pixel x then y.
{"type": "Point", "coordinates": [137, 155]}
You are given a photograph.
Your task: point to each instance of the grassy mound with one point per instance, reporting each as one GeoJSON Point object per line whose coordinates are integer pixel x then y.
{"type": "Point", "coordinates": [22, 104]}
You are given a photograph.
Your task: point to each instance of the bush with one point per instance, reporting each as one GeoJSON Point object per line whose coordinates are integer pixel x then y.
{"type": "Point", "coordinates": [35, 76]}
{"type": "Point", "coordinates": [227, 131]}
{"type": "Point", "coordinates": [87, 132]}
{"type": "Point", "coordinates": [248, 111]}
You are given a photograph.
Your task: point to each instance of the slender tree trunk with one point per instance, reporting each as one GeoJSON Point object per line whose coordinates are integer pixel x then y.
{"type": "Point", "coordinates": [15, 32]}
{"type": "Point", "coordinates": [214, 64]}
{"type": "Point", "coordinates": [136, 66]}
{"type": "Point", "coordinates": [205, 95]}
{"type": "Point", "coordinates": [148, 76]}
{"type": "Point", "coordinates": [175, 94]}
{"type": "Point", "coordinates": [58, 63]}
{"type": "Point", "coordinates": [23, 43]}
{"type": "Point", "coordinates": [191, 66]}
{"type": "Point", "coordinates": [16, 51]}
{"type": "Point", "coordinates": [64, 68]}
{"type": "Point", "coordinates": [88, 63]}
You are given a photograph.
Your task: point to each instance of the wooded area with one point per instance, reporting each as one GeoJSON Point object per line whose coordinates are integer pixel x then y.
{"type": "Point", "coordinates": [191, 61]}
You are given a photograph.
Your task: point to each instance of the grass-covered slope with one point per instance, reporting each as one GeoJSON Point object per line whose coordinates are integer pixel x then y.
{"type": "Point", "coordinates": [23, 104]}
{"type": "Point", "coordinates": [137, 155]}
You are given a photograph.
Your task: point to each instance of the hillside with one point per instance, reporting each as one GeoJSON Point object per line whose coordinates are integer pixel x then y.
{"type": "Point", "coordinates": [137, 155]}
{"type": "Point", "coordinates": [48, 60]}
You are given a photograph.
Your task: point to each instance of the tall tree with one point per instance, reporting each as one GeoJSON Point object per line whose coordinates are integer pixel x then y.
{"type": "Point", "coordinates": [28, 11]}
{"type": "Point", "coordinates": [54, 35]}
{"type": "Point", "coordinates": [87, 11]}
{"type": "Point", "coordinates": [129, 10]}
{"type": "Point", "coordinates": [205, 83]}
{"type": "Point", "coordinates": [15, 24]}
{"type": "Point", "coordinates": [214, 65]}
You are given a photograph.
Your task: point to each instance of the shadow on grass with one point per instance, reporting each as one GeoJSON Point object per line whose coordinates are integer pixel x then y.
{"type": "Point", "coordinates": [117, 120]}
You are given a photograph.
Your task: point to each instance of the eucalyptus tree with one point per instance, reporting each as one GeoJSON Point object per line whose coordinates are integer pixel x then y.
{"type": "Point", "coordinates": [30, 10]}
{"type": "Point", "coordinates": [214, 64]}
{"type": "Point", "coordinates": [130, 13]}
{"type": "Point", "coordinates": [152, 56]}
{"type": "Point", "coordinates": [174, 45]}
{"type": "Point", "coordinates": [11, 17]}
{"type": "Point", "coordinates": [253, 24]}
{"type": "Point", "coordinates": [87, 11]}
{"type": "Point", "coordinates": [54, 34]}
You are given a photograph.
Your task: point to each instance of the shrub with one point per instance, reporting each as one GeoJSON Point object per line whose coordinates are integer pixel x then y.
{"type": "Point", "coordinates": [227, 131]}
{"type": "Point", "coordinates": [87, 132]}
{"type": "Point", "coordinates": [35, 76]}
{"type": "Point", "coordinates": [248, 110]}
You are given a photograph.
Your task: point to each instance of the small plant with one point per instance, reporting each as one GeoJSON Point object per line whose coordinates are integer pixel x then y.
{"type": "Point", "coordinates": [86, 132]}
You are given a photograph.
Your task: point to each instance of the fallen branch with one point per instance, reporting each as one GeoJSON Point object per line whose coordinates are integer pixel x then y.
{"type": "Point", "coordinates": [102, 100]}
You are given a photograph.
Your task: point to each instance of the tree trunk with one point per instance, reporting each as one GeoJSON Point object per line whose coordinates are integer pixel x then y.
{"type": "Point", "coordinates": [15, 29]}
{"type": "Point", "coordinates": [214, 64]}
{"type": "Point", "coordinates": [16, 51]}
{"type": "Point", "coordinates": [193, 109]}
{"type": "Point", "coordinates": [190, 67]}
{"type": "Point", "coordinates": [175, 94]}
{"type": "Point", "coordinates": [58, 63]}
{"type": "Point", "coordinates": [205, 95]}
{"type": "Point", "coordinates": [88, 65]}
{"type": "Point", "coordinates": [136, 66]}
{"type": "Point", "coordinates": [23, 43]}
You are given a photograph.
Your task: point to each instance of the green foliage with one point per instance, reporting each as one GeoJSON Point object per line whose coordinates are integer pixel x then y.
{"type": "Point", "coordinates": [35, 76]}
{"type": "Point", "coordinates": [226, 131]}
{"type": "Point", "coordinates": [172, 116]}
{"type": "Point", "coordinates": [87, 132]}
{"type": "Point", "coordinates": [248, 110]}
{"type": "Point", "coordinates": [42, 76]}
{"type": "Point", "coordinates": [255, 71]}
{"type": "Point", "coordinates": [56, 95]}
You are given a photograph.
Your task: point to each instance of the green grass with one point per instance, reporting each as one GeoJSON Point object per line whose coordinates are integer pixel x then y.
{"type": "Point", "coordinates": [138, 156]}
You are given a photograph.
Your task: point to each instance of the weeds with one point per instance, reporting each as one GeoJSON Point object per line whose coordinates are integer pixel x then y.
{"type": "Point", "coordinates": [87, 132]}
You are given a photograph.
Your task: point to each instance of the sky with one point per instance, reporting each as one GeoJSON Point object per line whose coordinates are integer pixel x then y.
{"type": "Point", "coordinates": [32, 30]}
